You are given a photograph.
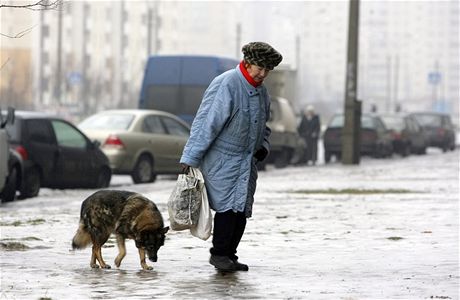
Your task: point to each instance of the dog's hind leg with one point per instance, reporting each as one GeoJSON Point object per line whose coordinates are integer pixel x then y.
{"type": "Point", "coordinates": [121, 250]}
{"type": "Point", "coordinates": [144, 265]}
{"type": "Point", "coordinates": [93, 263]}
{"type": "Point", "coordinates": [97, 254]}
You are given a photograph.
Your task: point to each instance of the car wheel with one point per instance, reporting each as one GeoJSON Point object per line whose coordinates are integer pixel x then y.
{"type": "Point", "coordinates": [32, 183]}
{"type": "Point", "coordinates": [406, 150]}
{"type": "Point", "coordinates": [327, 156]}
{"type": "Point", "coordinates": [9, 190]}
{"type": "Point", "coordinates": [422, 151]}
{"type": "Point", "coordinates": [103, 178]}
{"type": "Point", "coordinates": [282, 159]}
{"type": "Point", "coordinates": [143, 171]}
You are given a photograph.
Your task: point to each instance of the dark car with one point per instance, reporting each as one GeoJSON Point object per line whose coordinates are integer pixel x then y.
{"type": "Point", "coordinates": [439, 128]}
{"type": "Point", "coordinates": [375, 138]}
{"type": "Point", "coordinates": [56, 154]}
{"type": "Point", "coordinates": [408, 136]}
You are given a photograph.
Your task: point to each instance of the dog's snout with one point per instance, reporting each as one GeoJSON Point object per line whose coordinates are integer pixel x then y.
{"type": "Point", "coordinates": [153, 258]}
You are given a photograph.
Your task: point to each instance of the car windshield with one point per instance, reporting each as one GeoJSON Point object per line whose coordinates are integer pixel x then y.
{"type": "Point", "coordinates": [108, 122]}
{"type": "Point", "coordinates": [394, 123]}
{"type": "Point", "coordinates": [338, 121]}
{"type": "Point", "coordinates": [429, 120]}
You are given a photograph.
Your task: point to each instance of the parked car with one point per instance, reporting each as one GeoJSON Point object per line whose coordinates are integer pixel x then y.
{"type": "Point", "coordinates": [286, 146]}
{"type": "Point", "coordinates": [139, 142]}
{"type": "Point", "coordinates": [439, 128]}
{"type": "Point", "coordinates": [375, 138]}
{"type": "Point", "coordinates": [56, 154]}
{"type": "Point", "coordinates": [408, 136]}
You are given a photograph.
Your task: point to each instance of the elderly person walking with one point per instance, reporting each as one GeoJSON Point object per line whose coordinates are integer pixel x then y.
{"type": "Point", "coordinates": [229, 136]}
{"type": "Point", "coordinates": [309, 129]}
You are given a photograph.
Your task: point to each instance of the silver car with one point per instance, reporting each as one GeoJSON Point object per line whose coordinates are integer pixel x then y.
{"type": "Point", "coordinates": [141, 143]}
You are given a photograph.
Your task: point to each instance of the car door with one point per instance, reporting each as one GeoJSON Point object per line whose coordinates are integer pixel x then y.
{"type": "Point", "coordinates": [157, 142]}
{"type": "Point", "coordinates": [74, 163]}
{"type": "Point", "coordinates": [41, 146]}
{"type": "Point", "coordinates": [416, 133]}
{"type": "Point", "coordinates": [177, 135]}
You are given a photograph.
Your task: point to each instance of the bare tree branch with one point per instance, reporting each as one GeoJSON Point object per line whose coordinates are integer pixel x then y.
{"type": "Point", "coordinates": [5, 63]}
{"type": "Point", "coordinates": [19, 34]}
{"type": "Point", "coordinates": [38, 5]}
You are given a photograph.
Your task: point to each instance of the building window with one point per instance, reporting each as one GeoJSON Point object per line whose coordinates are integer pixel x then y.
{"type": "Point", "coordinates": [45, 30]}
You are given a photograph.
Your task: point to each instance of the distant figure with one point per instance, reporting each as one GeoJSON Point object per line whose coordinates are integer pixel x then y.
{"type": "Point", "coordinates": [309, 130]}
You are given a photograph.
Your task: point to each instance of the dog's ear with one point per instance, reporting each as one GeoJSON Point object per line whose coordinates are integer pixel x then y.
{"type": "Point", "coordinates": [165, 229]}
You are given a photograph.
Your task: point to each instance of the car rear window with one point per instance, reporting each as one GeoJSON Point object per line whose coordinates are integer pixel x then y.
{"type": "Point", "coordinates": [429, 120]}
{"type": "Point", "coordinates": [394, 123]}
{"type": "Point", "coordinates": [338, 121]}
{"type": "Point", "coordinates": [14, 132]}
{"type": "Point", "coordinates": [108, 122]}
{"type": "Point", "coordinates": [39, 131]}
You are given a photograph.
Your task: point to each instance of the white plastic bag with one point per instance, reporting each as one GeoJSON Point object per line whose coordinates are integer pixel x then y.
{"type": "Point", "coordinates": [185, 201]}
{"type": "Point", "coordinates": [203, 228]}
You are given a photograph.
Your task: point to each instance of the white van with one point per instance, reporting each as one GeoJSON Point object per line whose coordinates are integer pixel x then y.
{"type": "Point", "coordinates": [286, 146]}
{"type": "Point", "coordinates": [4, 149]}
{"type": "Point", "coordinates": [5, 191]}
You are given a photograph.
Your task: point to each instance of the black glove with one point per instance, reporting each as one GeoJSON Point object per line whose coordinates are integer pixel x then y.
{"type": "Point", "coordinates": [261, 154]}
{"type": "Point", "coordinates": [185, 168]}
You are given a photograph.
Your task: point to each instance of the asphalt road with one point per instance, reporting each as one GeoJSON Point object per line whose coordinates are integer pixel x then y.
{"type": "Point", "coordinates": [386, 229]}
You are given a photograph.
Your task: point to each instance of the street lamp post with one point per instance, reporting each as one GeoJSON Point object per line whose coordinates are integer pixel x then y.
{"type": "Point", "coordinates": [352, 126]}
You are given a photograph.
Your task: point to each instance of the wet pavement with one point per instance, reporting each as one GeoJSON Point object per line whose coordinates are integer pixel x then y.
{"type": "Point", "coordinates": [386, 229]}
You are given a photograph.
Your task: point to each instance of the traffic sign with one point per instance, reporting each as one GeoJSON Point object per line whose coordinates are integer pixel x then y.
{"type": "Point", "coordinates": [434, 78]}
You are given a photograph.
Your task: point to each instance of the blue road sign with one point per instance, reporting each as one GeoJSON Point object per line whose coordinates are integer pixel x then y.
{"type": "Point", "coordinates": [434, 78]}
{"type": "Point", "coordinates": [74, 78]}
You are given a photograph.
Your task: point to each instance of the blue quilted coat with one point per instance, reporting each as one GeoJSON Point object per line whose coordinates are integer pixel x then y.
{"type": "Point", "coordinates": [229, 127]}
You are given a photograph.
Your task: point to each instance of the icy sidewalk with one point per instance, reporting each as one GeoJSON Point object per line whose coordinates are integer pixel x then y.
{"type": "Point", "coordinates": [386, 229]}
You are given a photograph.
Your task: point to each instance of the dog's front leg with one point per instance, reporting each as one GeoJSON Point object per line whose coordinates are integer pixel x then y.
{"type": "Point", "coordinates": [142, 257]}
{"type": "Point", "coordinates": [98, 252]}
{"type": "Point", "coordinates": [121, 250]}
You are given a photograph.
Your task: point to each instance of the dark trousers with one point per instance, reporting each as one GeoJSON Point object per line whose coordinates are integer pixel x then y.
{"type": "Point", "coordinates": [312, 149]}
{"type": "Point", "coordinates": [228, 229]}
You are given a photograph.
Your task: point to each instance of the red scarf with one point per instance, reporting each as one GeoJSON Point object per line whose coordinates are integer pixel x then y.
{"type": "Point", "coordinates": [247, 76]}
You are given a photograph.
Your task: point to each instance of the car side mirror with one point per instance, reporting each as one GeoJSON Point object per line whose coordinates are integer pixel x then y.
{"type": "Point", "coordinates": [9, 118]}
{"type": "Point", "coordinates": [96, 144]}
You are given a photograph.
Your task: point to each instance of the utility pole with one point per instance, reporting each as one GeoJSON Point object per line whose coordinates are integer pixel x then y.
{"type": "Point", "coordinates": [149, 29]}
{"type": "Point", "coordinates": [388, 100]}
{"type": "Point", "coordinates": [395, 101]}
{"type": "Point", "coordinates": [297, 52]}
{"type": "Point", "coordinates": [58, 84]}
{"type": "Point", "coordinates": [41, 60]}
{"type": "Point", "coordinates": [352, 128]}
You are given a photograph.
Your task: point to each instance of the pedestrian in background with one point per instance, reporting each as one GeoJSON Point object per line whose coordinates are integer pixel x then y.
{"type": "Point", "coordinates": [229, 136]}
{"type": "Point", "coordinates": [309, 130]}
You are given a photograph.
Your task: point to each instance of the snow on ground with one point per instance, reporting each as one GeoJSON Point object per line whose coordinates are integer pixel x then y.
{"type": "Point", "coordinates": [385, 229]}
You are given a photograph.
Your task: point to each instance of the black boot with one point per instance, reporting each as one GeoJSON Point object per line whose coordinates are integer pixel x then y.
{"type": "Point", "coordinates": [239, 266]}
{"type": "Point", "coordinates": [222, 263]}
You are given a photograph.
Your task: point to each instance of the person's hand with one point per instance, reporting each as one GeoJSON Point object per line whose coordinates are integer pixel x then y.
{"type": "Point", "coordinates": [185, 168]}
{"type": "Point", "coordinates": [261, 154]}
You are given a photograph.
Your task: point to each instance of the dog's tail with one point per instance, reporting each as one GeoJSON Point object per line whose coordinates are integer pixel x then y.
{"type": "Point", "coordinates": [81, 239]}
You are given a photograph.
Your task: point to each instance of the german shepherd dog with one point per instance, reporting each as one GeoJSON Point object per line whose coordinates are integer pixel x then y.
{"type": "Point", "coordinates": [126, 214]}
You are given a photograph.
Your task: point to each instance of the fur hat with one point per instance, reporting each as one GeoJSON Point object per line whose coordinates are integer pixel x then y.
{"type": "Point", "coordinates": [261, 54]}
